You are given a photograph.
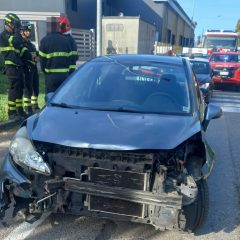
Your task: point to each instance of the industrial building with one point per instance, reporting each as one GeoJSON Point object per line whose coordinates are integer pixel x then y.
{"type": "Point", "coordinates": [165, 20]}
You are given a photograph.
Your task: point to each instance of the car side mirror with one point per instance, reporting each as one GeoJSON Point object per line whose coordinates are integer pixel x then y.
{"type": "Point", "coordinates": [49, 96]}
{"type": "Point", "coordinates": [211, 112]}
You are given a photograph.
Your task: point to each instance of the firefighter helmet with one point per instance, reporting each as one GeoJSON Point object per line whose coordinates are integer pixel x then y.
{"type": "Point", "coordinates": [64, 24]}
{"type": "Point", "coordinates": [12, 18]}
{"type": "Point", "coordinates": [26, 25]}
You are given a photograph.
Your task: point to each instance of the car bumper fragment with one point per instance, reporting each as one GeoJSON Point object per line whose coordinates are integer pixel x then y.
{"type": "Point", "coordinates": [12, 183]}
{"type": "Point", "coordinates": [232, 81]}
{"type": "Point", "coordinates": [137, 196]}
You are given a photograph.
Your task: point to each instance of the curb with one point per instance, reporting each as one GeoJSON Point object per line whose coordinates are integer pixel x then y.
{"type": "Point", "coordinates": [8, 124]}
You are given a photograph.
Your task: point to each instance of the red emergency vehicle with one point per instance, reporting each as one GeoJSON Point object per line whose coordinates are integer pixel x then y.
{"type": "Point", "coordinates": [226, 40]}
{"type": "Point", "coordinates": [226, 67]}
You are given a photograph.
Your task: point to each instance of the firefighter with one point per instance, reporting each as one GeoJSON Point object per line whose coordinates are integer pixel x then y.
{"type": "Point", "coordinates": [31, 77]}
{"type": "Point", "coordinates": [55, 51]}
{"type": "Point", "coordinates": [65, 28]}
{"type": "Point", "coordinates": [11, 47]}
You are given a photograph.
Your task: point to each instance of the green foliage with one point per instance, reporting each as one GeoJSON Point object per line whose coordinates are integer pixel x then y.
{"type": "Point", "coordinates": [3, 95]}
{"type": "Point", "coordinates": [238, 26]}
{"type": "Point", "coordinates": [3, 98]}
{"type": "Point", "coordinates": [1, 62]}
{"type": "Point", "coordinates": [3, 107]}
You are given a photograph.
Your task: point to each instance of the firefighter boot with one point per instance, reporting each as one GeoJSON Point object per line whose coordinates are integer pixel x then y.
{"type": "Point", "coordinates": [34, 102]}
{"type": "Point", "coordinates": [21, 113]}
{"type": "Point", "coordinates": [19, 109]}
{"type": "Point", "coordinates": [28, 110]}
{"type": "Point", "coordinates": [12, 114]}
{"type": "Point", "coordinates": [27, 106]}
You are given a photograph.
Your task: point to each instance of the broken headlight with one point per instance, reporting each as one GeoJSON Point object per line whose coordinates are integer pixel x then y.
{"type": "Point", "coordinates": [25, 155]}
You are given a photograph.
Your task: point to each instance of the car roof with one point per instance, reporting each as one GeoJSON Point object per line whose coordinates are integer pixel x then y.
{"type": "Point", "coordinates": [197, 59]}
{"type": "Point", "coordinates": [141, 58]}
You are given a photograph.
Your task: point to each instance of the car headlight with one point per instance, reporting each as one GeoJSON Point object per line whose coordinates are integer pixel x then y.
{"type": "Point", "coordinates": [25, 155]}
{"type": "Point", "coordinates": [205, 85]}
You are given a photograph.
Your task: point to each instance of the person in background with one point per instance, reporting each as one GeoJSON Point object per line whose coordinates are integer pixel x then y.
{"type": "Point", "coordinates": [12, 48]}
{"type": "Point", "coordinates": [31, 77]}
{"type": "Point", "coordinates": [170, 52]}
{"type": "Point", "coordinates": [55, 53]}
{"type": "Point", "coordinates": [65, 29]}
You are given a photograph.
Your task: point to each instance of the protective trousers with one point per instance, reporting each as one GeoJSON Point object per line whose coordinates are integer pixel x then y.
{"type": "Point", "coordinates": [53, 81]}
{"type": "Point", "coordinates": [35, 89]}
{"type": "Point", "coordinates": [27, 90]}
{"type": "Point", "coordinates": [15, 92]}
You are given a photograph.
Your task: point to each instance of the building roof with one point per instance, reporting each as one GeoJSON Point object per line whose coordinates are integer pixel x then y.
{"type": "Point", "coordinates": [177, 8]}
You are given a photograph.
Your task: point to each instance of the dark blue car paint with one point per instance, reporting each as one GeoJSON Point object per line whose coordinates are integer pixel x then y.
{"type": "Point", "coordinates": [11, 173]}
{"type": "Point", "coordinates": [111, 130]}
{"type": "Point", "coordinates": [203, 78]}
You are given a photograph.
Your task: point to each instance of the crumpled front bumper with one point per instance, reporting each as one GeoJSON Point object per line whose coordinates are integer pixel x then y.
{"type": "Point", "coordinates": [12, 183]}
{"type": "Point", "coordinates": [111, 202]}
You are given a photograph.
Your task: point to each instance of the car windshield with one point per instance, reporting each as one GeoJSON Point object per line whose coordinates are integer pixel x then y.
{"type": "Point", "coordinates": [200, 67]}
{"type": "Point", "coordinates": [220, 42]}
{"type": "Point", "coordinates": [126, 86]}
{"type": "Point", "coordinates": [224, 58]}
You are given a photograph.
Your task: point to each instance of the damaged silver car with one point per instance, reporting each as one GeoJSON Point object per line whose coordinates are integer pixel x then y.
{"type": "Point", "coordinates": [123, 138]}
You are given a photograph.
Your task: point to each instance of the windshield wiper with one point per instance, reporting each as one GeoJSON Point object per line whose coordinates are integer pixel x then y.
{"type": "Point", "coordinates": [118, 109]}
{"type": "Point", "coordinates": [62, 105]}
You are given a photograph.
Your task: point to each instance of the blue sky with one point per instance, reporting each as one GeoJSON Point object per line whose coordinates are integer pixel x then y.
{"type": "Point", "coordinates": [212, 14]}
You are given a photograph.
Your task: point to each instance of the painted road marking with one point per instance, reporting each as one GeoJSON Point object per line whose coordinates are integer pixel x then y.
{"type": "Point", "coordinates": [228, 101]}
{"type": "Point", "coordinates": [25, 229]}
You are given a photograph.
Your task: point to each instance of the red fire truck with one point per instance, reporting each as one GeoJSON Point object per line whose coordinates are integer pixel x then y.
{"type": "Point", "coordinates": [225, 40]}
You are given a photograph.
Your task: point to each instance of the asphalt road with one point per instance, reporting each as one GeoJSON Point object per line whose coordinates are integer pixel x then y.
{"type": "Point", "coordinates": [224, 186]}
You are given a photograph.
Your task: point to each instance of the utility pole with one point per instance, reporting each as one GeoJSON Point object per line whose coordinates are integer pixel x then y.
{"type": "Point", "coordinates": [99, 27]}
{"type": "Point", "coordinates": [193, 11]}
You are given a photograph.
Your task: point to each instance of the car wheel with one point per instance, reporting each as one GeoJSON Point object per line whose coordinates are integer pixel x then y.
{"type": "Point", "coordinates": [194, 215]}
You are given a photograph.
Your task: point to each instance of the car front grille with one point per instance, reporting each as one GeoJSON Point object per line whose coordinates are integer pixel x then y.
{"type": "Point", "coordinates": [218, 70]}
{"type": "Point", "coordinates": [116, 169]}
{"type": "Point", "coordinates": [77, 160]}
{"type": "Point", "coordinates": [136, 181]}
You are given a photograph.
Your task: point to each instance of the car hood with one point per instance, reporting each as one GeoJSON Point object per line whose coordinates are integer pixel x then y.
{"type": "Point", "coordinates": [110, 130]}
{"type": "Point", "coordinates": [203, 78]}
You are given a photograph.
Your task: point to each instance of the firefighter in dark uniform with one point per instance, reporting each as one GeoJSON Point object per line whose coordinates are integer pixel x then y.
{"type": "Point", "coordinates": [31, 77]}
{"type": "Point", "coordinates": [55, 51]}
{"type": "Point", "coordinates": [12, 49]}
{"type": "Point", "coordinates": [66, 30]}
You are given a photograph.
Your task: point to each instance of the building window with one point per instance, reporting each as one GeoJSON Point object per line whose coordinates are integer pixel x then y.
{"type": "Point", "coordinates": [114, 27]}
{"type": "Point", "coordinates": [33, 37]}
{"type": "Point", "coordinates": [181, 41]}
{"type": "Point", "coordinates": [169, 36]}
{"type": "Point", "coordinates": [184, 42]}
{"type": "Point", "coordinates": [191, 42]}
{"type": "Point", "coordinates": [173, 40]}
{"type": "Point", "coordinates": [74, 5]}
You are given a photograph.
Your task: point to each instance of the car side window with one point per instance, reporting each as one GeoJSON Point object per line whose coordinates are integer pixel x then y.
{"type": "Point", "coordinates": [198, 94]}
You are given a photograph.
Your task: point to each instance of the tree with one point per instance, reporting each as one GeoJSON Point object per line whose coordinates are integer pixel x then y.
{"type": "Point", "coordinates": [238, 26]}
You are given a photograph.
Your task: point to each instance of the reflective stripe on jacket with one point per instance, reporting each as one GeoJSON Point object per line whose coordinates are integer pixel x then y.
{"type": "Point", "coordinates": [11, 47]}
{"type": "Point", "coordinates": [55, 54]}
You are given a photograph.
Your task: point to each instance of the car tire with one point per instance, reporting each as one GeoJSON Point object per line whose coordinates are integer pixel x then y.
{"type": "Point", "coordinates": [207, 99]}
{"type": "Point", "coordinates": [193, 216]}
